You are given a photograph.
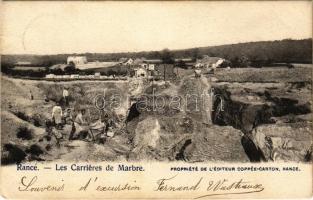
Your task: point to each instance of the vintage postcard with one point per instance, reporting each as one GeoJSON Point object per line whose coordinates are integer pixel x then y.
{"type": "Point", "coordinates": [156, 99]}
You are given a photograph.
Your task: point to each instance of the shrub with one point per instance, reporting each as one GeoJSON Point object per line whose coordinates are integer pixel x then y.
{"type": "Point", "coordinates": [24, 133]}
{"type": "Point", "coordinates": [35, 150]}
{"type": "Point", "coordinates": [36, 120]}
{"type": "Point", "coordinates": [22, 116]}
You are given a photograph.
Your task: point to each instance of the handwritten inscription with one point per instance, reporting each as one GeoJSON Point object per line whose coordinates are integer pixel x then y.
{"type": "Point", "coordinates": [33, 185]}
{"type": "Point", "coordinates": [30, 185]}
{"type": "Point", "coordinates": [215, 187]}
{"type": "Point", "coordinates": [206, 187]}
{"type": "Point", "coordinates": [93, 183]}
{"type": "Point", "coordinates": [164, 186]}
{"type": "Point", "coordinates": [225, 186]}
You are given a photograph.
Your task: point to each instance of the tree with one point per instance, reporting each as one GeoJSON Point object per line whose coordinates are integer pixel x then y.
{"type": "Point", "coordinates": [167, 57]}
{"type": "Point", "coordinates": [47, 69]}
{"type": "Point", "coordinates": [70, 68]}
{"type": "Point", "coordinates": [57, 71]}
{"type": "Point", "coordinates": [244, 61]}
{"type": "Point", "coordinates": [6, 68]}
{"type": "Point", "coordinates": [195, 54]}
{"type": "Point", "coordinates": [181, 64]}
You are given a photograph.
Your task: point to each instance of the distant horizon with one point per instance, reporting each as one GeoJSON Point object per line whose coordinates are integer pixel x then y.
{"type": "Point", "coordinates": [50, 28]}
{"type": "Point", "coordinates": [199, 47]}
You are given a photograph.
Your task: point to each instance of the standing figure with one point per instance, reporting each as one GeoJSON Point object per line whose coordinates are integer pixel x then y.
{"type": "Point", "coordinates": [65, 96]}
{"type": "Point", "coordinates": [197, 73]}
{"type": "Point", "coordinates": [31, 95]}
{"type": "Point", "coordinates": [80, 128]}
{"type": "Point", "coordinates": [57, 115]}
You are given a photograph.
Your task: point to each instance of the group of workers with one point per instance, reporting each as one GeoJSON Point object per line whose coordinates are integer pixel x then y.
{"type": "Point", "coordinates": [81, 128]}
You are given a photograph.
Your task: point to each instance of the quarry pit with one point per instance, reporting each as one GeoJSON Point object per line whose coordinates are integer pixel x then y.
{"type": "Point", "coordinates": [253, 120]}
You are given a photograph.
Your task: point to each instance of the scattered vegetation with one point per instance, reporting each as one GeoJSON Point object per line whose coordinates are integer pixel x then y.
{"type": "Point", "coordinates": [24, 133]}
{"type": "Point", "coordinates": [22, 115]}
{"type": "Point", "coordinates": [35, 119]}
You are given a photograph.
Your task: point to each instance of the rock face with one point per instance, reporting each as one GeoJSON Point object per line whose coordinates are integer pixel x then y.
{"type": "Point", "coordinates": [147, 134]}
{"type": "Point", "coordinates": [169, 134]}
{"type": "Point", "coordinates": [216, 143]}
{"type": "Point", "coordinates": [152, 141]}
{"type": "Point", "coordinates": [285, 141]}
{"type": "Point", "coordinates": [179, 137]}
{"type": "Point", "coordinates": [249, 104]}
{"type": "Point", "coordinates": [275, 116]}
{"type": "Point", "coordinates": [156, 138]}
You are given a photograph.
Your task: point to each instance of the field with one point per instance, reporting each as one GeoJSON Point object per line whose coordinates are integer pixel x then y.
{"type": "Point", "coordinates": [119, 69]}
{"type": "Point", "coordinates": [29, 68]}
{"type": "Point", "coordinates": [96, 65]}
{"type": "Point", "coordinates": [274, 74]}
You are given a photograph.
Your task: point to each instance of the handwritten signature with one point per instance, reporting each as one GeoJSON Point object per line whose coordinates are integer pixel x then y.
{"type": "Point", "coordinates": [216, 187]}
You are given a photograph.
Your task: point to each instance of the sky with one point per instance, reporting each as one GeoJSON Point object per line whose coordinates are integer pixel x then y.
{"type": "Point", "coordinates": [103, 27]}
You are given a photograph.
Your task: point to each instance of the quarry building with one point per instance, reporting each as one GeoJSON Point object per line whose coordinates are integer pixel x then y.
{"type": "Point", "coordinates": [77, 60]}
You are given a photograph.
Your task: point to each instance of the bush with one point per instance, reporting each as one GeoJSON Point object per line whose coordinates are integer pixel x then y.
{"type": "Point", "coordinates": [22, 116]}
{"type": "Point", "coordinates": [36, 120]}
{"type": "Point", "coordinates": [24, 133]}
{"type": "Point", "coordinates": [52, 92]}
{"type": "Point", "coordinates": [35, 150]}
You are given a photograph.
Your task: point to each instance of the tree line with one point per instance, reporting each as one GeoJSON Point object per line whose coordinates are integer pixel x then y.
{"type": "Point", "coordinates": [252, 53]}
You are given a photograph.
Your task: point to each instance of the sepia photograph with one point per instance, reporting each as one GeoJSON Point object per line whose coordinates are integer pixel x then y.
{"type": "Point", "coordinates": [151, 81]}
